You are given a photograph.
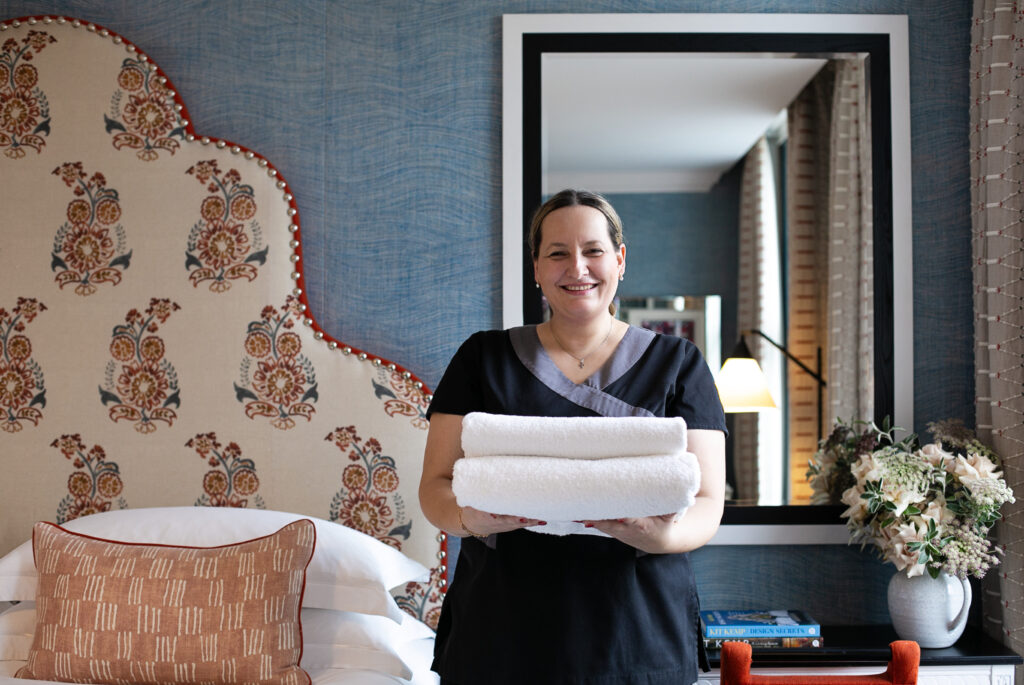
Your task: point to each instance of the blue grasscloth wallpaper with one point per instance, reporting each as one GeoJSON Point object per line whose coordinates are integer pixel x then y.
{"type": "Point", "coordinates": [385, 119]}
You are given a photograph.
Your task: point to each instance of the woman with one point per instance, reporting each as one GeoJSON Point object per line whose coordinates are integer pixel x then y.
{"type": "Point", "coordinates": [526, 607]}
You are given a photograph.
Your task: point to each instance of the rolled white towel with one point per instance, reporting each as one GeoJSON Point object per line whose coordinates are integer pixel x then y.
{"type": "Point", "coordinates": [582, 437]}
{"type": "Point", "coordinates": [561, 491]}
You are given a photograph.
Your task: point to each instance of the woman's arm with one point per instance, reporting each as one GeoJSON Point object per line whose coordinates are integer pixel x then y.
{"type": "Point", "coordinates": [444, 448]}
{"type": "Point", "coordinates": [662, 535]}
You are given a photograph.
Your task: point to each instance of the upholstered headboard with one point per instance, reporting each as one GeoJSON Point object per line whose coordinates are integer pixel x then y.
{"type": "Point", "coordinates": [156, 347]}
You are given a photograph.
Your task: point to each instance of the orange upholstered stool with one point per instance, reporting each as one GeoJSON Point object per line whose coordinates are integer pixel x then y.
{"type": "Point", "coordinates": [902, 669]}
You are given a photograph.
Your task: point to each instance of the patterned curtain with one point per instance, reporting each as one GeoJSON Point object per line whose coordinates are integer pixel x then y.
{"type": "Point", "coordinates": [749, 312]}
{"type": "Point", "coordinates": [850, 374]}
{"type": "Point", "coordinates": [997, 118]}
{"type": "Point", "coordinates": [807, 173]}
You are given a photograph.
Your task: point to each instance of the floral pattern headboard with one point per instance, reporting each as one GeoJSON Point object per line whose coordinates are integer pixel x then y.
{"type": "Point", "coordinates": [156, 347]}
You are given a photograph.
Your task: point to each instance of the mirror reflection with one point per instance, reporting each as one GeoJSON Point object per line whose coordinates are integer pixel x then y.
{"type": "Point", "coordinates": [745, 186]}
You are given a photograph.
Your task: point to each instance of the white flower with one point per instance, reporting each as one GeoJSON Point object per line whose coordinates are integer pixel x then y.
{"type": "Point", "coordinates": [858, 508]}
{"type": "Point", "coordinates": [866, 469]}
{"type": "Point", "coordinates": [973, 467]}
{"type": "Point", "coordinates": [938, 512]}
{"type": "Point", "coordinates": [901, 496]}
{"type": "Point", "coordinates": [935, 455]}
{"type": "Point", "coordinates": [899, 554]}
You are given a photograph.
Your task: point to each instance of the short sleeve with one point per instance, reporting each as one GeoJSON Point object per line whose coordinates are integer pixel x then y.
{"type": "Point", "coordinates": [696, 395]}
{"type": "Point", "coordinates": [459, 391]}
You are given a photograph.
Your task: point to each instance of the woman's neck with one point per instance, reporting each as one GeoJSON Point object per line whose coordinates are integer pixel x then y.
{"type": "Point", "coordinates": [580, 340]}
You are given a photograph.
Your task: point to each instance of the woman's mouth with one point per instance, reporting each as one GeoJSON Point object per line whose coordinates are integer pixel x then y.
{"type": "Point", "coordinates": [579, 287]}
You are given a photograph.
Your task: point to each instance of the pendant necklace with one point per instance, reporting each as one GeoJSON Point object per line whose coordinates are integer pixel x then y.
{"type": "Point", "coordinates": [580, 360]}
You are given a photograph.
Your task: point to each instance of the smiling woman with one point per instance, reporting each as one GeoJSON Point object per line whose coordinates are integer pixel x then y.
{"type": "Point", "coordinates": [580, 366]}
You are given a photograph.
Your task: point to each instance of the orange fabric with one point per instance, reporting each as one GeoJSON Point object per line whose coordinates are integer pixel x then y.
{"type": "Point", "coordinates": [902, 669]}
{"type": "Point", "coordinates": [110, 612]}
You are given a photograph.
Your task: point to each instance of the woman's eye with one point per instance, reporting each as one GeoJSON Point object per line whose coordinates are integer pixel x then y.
{"type": "Point", "coordinates": [595, 251]}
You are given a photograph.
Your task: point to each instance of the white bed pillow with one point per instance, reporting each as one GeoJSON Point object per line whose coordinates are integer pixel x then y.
{"type": "Point", "coordinates": [342, 639]}
{"type": "Point", "coordinates": [331, 639]}
{"type": "Point", "coordinates": [17, 626]}
{"type": "Point", "coordinates": [350, 571]}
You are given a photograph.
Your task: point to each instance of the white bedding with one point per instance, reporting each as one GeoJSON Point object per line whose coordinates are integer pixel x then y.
{"type": "Point", "coordinates": [418, 655]}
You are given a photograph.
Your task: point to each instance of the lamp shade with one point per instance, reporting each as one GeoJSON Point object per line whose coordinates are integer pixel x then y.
{"type": "Point", "coordinates": [742, 386]}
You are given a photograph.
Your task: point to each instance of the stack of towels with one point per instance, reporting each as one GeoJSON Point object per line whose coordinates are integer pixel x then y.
{"type": "Point", "coordinates": [563, 470]}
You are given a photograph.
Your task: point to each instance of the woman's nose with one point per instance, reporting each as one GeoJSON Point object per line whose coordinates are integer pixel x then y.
{"type": "Point", "coordinates": [579, 265]}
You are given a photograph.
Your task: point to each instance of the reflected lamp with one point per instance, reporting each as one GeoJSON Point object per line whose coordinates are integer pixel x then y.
{"type": "Point", "coordinates": [743, 387]}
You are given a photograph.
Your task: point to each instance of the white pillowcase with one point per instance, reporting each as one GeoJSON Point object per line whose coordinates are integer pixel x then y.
{"type": "Point", "coordinates": [330, 639]}
{"type": "Point", "coordinates": [350, 571]}
{"type": "Point", "coordinates": [17, 626]}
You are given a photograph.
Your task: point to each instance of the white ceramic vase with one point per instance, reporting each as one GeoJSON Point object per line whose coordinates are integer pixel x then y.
{"type": "Point", "coordinates": [930, 611]}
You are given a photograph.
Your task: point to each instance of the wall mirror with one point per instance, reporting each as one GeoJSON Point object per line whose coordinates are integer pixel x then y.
{"type": "Point", "coordinates": [536, 44]}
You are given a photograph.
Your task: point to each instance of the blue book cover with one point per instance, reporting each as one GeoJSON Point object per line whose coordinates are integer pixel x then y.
{"type": "Point", "coordinates": [758, 623]}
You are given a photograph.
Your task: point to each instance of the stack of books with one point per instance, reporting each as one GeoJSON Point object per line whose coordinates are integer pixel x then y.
{"type": "Point", "coordinates": [771, 629]}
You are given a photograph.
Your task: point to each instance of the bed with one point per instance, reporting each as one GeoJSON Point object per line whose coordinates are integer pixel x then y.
{"type": "Point", "coordinates": [163, 381]}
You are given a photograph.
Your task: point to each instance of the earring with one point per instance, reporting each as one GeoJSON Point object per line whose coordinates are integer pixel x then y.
{"type": "Point", "coordinates": [536, 284]}
{"type": "Point", "coordinates": [622, 277]}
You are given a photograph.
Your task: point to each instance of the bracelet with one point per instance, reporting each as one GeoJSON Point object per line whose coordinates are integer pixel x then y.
{"type": "Point", "coordinates": [463, 524]}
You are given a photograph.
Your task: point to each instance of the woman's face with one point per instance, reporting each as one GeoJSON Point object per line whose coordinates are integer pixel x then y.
{"type": "Point", "coordinates": [577, 266]}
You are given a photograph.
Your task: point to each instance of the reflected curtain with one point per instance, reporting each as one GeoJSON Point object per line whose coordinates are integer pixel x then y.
{"type": "Point", "coordinates": [809, 120]}
{"type": "Point", "coordinates": [829, 248]}
{"type": "Point", "coordinates": [851, 368]}
{"type": "Point", "coordinates": [751, 240]}
{"type": "Point", "coordinates": [997, 143]}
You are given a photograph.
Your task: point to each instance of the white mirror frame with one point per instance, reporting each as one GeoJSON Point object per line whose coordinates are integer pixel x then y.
{"type": "Point", "coordinates": [895, 26]}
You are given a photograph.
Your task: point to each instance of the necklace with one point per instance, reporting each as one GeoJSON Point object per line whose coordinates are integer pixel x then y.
{"type": "Point", "coordinates": [580, 360]}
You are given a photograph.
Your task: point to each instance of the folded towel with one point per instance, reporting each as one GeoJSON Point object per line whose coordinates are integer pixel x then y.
{"type": "Point", "coordinates": [585, 437]}
{"type": "Point", "coordinates": [561, 491]}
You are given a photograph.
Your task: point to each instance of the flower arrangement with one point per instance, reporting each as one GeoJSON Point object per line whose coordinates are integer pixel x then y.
{"type": "Point", "coordinates": [924, 508]}
{"type": "Point", "coordinates": [829, 469]}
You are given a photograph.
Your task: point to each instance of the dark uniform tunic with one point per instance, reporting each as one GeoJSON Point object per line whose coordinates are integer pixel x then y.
{"type": "Point", "coordinates": [529, 608]}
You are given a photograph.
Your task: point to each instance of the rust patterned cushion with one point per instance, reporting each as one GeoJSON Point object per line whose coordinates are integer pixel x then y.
{"type": "Point", "coordinates": [110, 612]}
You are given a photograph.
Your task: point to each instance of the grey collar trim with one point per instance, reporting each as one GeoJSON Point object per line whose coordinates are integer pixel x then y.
{"type": "Point", "coordinates": [589, 393]}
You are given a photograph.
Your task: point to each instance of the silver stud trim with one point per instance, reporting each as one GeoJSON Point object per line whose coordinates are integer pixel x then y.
{"type": "Point", "coordinates": [319, 335]}
{"type": "Point", "coordinates": [296, 275]}
{"type": "Point", "coordinates": [346, 350]}
{"type": "Point", "coordinates": [376, 362]}
{"type": "Point", "coordinates": [307, 321]}
{"type": "Point", "coordinates": [332, 345]}
{"type": "Point", "coordinates": [293, 243]}
{"type": "Point", "coordinates": [294, 257]}
{"type": "Point", "coordinates": [293, 227]}
{"type": "Point", "coordinates": [362, 356]}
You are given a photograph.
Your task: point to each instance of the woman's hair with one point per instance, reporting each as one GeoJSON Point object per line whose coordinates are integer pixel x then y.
{"type": "Point", "coordinates": [573, 198]}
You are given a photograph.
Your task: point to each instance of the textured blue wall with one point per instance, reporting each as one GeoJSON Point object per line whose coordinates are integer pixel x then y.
{"type": "Point", "coordinates": [385, 119]}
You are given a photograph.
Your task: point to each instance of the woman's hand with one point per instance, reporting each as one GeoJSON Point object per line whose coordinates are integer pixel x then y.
{"type": "Point", "coordinates": [482, 523]}
{"type": "Point", "coordinates": [651, 534]}
{"type": "Point", "coordinates": [668, 534]}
